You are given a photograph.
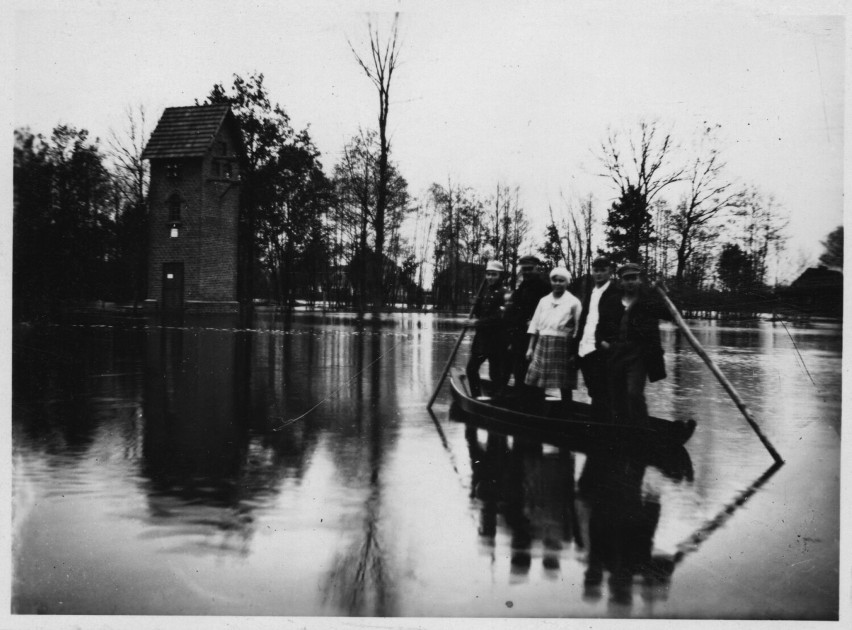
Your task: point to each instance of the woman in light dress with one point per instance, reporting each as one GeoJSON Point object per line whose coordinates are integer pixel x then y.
{"type": "Point", "coordinates": [553, 327]}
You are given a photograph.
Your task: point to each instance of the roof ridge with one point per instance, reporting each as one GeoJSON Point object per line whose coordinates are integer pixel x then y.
{"type": "Point", "coordinates": [210, 105]}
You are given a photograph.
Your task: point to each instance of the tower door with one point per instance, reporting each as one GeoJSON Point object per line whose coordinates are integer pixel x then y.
{"type": "Point", "coordinates": [173, 286]}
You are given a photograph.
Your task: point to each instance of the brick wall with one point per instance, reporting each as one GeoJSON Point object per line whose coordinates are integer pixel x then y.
{"type": "Point", "coordinates": [207, 234]}
{"type": "Point", "coordinates": [218, 248]}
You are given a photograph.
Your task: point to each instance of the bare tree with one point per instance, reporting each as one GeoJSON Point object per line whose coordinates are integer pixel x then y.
{"type": "Point", "coordinates": [132, 176]}
{"type": "Point", "coordinates": [760, 226]}
{"type": "Point", "coordinates": [126, 153]}
{"type": "Point", "coordinates": [569, 238]}
{"type": "Point", "coordinates": [424, 225]}
{"type": "Point", "coordinates": [460, 243]}
{"type": "Point", "coordinates": [659, 263]}
{"type": "Point", "coordinates": [379, 68]}
{"type": "Point", "coordinates": [505, 225]}
{"type": "Point", "coordinates": [710, 192]}
{"type": "Point", "coordinates": [642, 160]}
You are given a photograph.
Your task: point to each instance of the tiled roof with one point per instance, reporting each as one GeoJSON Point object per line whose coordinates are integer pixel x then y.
{"type": "Point", "coordinates": [185, 131]}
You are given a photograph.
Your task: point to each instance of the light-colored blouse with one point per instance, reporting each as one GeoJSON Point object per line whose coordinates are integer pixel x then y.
{"type": "Point", "coordinates": [556, 317]}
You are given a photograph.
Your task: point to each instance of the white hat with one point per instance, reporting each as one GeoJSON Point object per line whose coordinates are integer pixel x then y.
{"type": "Point", "coordinates": [494, 266]}
{"type": "Point", "coordinates": [560, 271]}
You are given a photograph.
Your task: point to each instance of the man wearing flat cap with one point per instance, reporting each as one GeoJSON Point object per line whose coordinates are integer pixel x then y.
{"type": "Point", "coordinates": [519, 312]}
{"type": "Point", "coordinates": [636, 354]}
{"type": "Point", "coordinates": [488, 342]}
{"type": "Point", "coordinates": [599, 322]}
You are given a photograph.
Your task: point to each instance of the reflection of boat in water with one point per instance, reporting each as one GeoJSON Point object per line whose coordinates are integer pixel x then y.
{"type": "Point", "coordinates": [530, 495]}
{"type": "Point", "coordinates": [566, 421]}
{"type": "Point", "coordinates": [607, 511]}
{"type": "Point", "coordinates": [673, 462]}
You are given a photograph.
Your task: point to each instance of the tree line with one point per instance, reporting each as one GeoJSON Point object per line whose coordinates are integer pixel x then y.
{"type": "Point", "coordinates": [353, 235]}
{"type": "Point", "coordinates": [711, 231]}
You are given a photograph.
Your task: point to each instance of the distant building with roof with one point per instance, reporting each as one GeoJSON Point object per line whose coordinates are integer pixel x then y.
{"type": "Point", "coordinates": [194, 197]}
{"type": "Point", "coordinates": [818, 290]}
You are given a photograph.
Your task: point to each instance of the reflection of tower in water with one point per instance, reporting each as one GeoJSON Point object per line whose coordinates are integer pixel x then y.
{"type": "Point", "coordinates": [193, 437]}
{"type": "Point", "coordinates": [196, 435]}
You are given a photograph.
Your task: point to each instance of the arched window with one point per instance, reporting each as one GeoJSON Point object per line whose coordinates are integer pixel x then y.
{"type": "Point", "coordinates": [174, 204]}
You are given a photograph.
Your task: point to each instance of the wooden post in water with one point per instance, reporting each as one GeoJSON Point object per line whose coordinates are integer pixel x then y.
{"type": "Point", "coordinates": [455, 349]}
{"type": "Point", "coordinates": [717, 373]}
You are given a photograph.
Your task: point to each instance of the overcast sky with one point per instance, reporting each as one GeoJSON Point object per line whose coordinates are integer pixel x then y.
{"type": "Point", "coordinates": [486, 92]}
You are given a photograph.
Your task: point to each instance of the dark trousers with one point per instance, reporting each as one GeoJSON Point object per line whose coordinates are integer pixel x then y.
{"type": "Point", "coordinates": [594, 369]}
{"type": "Point", "coordinates": [517, 363]}
{"type": "Point", "coordinates": [487, 346]}
{"type": "Point", "coordinates": [627, 376]}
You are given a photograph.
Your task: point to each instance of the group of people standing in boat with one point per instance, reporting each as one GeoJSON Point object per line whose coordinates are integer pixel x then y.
{"type": "Point", "coordinates": [541, 334]}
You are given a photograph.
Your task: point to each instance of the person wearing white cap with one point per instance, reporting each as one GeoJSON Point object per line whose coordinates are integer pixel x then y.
{"type": "Point", "coordinates": [488, 342]}
{"type": "Point", "coordinates": [553, 327]}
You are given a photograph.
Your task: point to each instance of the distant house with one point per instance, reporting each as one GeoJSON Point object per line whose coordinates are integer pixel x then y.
{"type": "Point", "coordinates": [195, 153]}
{"type": "Point", "coordinates": [454, 287]}
{"type": "Point", "coordinates": [818, 289]}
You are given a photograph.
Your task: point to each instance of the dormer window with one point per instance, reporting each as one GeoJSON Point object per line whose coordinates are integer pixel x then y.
{"type": "Point", "coordinates": [223, 148]}
{"type": "Point", "coordinates": [172, 170]}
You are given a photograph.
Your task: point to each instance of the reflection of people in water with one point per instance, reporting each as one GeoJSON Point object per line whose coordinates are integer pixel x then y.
{"type": "Point", "coordinates": [531, 490]}
{"type": "Point", "coordinates": [530, 495]}
{"type": "Point", "coordinates": [620, 523]}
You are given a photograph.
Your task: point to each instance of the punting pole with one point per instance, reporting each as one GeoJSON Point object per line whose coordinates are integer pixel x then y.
{"type": "Point", "coordinates": [453, 353]}
{"type": "Point", "coordinates": [717, 373]}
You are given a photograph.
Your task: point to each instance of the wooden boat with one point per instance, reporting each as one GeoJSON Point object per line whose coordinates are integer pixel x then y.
{"type": "Point", "coordinates": [571, 421]}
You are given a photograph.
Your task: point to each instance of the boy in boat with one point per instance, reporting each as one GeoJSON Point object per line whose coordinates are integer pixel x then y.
{"type": "Point", "coordinates": [599, 322]}
{"type": "Point", "coordinates": [636, 354]}
{"type": "Point", "coordinates": [488, 342]}
{"type": "Point", "coordinates": [519, 312]}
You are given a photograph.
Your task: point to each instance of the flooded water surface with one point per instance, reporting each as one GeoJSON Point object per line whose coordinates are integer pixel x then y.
{"type": "Point", "coordinates": [293, 469]}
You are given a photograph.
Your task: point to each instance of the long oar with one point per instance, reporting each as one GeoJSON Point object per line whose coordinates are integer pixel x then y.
{"type": "Point", "coordinates": [453, 353]}
{"type": "Point", "coordinates": [717, 373]}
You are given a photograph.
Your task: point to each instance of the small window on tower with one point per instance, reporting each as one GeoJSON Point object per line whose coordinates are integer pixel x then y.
{"type": "Point", "coordinates": [223, 148]}
{"type": "Point", "coordinates": [174, 208]}
{"type": "Point", "coordinates": [172, 170]}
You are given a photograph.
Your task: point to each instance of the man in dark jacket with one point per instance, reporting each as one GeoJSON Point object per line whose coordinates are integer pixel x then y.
{"type": "Point", "coordinates": [488, 342]}
{"type": "Point", "coordinates": [599, 321]}
{"type": "Point", "coordinates": [636, 355]}
{"type": "Point", "coordinates": [519, 312]}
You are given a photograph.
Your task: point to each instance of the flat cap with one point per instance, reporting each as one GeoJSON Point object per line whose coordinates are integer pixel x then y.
{"type": "Point", "coordinates": [628, 268]}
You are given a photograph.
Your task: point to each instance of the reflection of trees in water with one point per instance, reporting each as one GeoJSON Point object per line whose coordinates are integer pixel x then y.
{"type": "Point", "coordinates": [358, 581]}
{"type": "Point", "coordinates": [63, 392]}
{"type": "Point", "coordinates": [212, 454]}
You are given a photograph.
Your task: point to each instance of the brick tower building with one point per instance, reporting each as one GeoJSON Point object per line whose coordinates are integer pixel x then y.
{"type": "Point", "coordinates": [194, 197]}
